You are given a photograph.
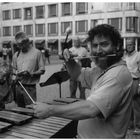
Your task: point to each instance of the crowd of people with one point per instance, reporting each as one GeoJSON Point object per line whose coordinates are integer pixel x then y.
{"type": "Point", "coordinates": [111, 108]}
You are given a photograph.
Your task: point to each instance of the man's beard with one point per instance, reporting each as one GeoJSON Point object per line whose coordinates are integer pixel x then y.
{"type": "Point", "coordinates": [24, 49]}
{"type": "Point", "coordinates": [129, 52]}
{"type": "Point", "coordinates": [104, 61]}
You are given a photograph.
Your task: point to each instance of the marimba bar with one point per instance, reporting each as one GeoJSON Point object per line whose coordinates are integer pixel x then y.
{"type": "Point", "coordinates": [4, 126]}
{"type": "Point", "coordinates": [21, 110]}
{"type": "Point", "coordinates": [14, 118]}
{"type": "Point", "coordinates": [66, 100]}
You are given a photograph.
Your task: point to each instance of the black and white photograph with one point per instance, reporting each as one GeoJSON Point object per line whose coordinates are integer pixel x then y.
{"type": "Point", "coordinates": [70, 70]}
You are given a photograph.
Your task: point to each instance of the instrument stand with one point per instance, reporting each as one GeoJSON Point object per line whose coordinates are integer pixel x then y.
{"type": "Point", "coordinates": [57, 78]}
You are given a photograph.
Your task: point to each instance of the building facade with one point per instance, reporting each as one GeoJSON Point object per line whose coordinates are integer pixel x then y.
{"type": "Point", "coordinates": [46, 23]}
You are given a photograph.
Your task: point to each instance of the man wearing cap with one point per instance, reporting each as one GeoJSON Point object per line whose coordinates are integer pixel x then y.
{"type": "Point", "coordinates": [28, 65]}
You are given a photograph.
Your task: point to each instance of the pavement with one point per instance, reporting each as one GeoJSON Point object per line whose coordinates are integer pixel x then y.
{"type": "Point", "coordinates": [54, 59]}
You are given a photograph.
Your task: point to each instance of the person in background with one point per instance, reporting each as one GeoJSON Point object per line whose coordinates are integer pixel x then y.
{"type": "Point", "coordinates": [132, 58]}
{"type": "Point", "coordinates": [107, 110]}
{"type": "Point", "coordinates": [10, 54]}
{"type": "Point", "coordinates": [4, 52]}
{"type": "Point", "coordinates": [43, 54]}
{"type": "Point", "coordinates": [6, 95]}
{"type": "Point", "coordinates": [28, 65]}
{"type": "Point", "coordinates": [78, 52]}
{"type": "Point", "coordinates": [47, 54]}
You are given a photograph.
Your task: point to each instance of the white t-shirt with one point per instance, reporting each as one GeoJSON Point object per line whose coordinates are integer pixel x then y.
{"type": "Point", "coordinates": [31, 61]}
{"type": "Point", "coordinates": [132, 63]}
{"type": "Point", "coordinates": [110, 92]}
{"type": "Point", "coordinates": [81, 51]}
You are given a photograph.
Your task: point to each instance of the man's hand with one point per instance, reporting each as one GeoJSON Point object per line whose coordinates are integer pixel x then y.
{"type": "Point", "coordinates": [41, 110]}
{"type": "Point", "coordinates": [23, 74]}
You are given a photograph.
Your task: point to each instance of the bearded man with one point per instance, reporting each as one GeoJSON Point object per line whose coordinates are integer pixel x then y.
{"type": "Point", "coordinates": [106, 111]}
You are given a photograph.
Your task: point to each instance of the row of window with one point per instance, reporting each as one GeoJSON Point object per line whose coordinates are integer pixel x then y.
{"type": "Point", "coordinates": [80, 27]}
{"type": "Point", "coordinates": [81, 8]}
{"type": "Point", "coordinates": [66, 10]}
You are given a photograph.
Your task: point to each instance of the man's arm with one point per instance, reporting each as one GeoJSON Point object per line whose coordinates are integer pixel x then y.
{"type": "Point", "coordinates": [37, 73]}
{"type": "Point", "coordinates": [41, 66]}
{"type": "Point", "coordinates": [138, 63]}
{"type": "Point", "coordinates": [76, 111]}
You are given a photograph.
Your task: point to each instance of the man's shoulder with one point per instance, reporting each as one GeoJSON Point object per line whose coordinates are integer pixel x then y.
{"type": "Point", "coordinates": [119, 72]}
{"type": "Point", "coordinates": [72, 48]}
{"type": "Point", "coordinates": [83, 48]}
{"type": "Point", "coordinates": [36, 51]}
{"type": "Point", "coordinates": [138, 53]}
{"type": "Point", "coordinates": [16, 53]}
{"type": "Point", "coordinates": [136, 56]}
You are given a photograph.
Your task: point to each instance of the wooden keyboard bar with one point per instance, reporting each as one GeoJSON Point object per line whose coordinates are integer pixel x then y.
{"type": "Point", "coordinates": [4, 126]}
{"type": "Point", "coordinates": [21, 110]}
{"type": "Point", "coordinates": [14, 118]}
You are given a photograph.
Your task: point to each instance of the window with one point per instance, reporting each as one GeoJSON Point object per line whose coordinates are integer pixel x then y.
{"type": "Point", "coordinates": [97, 7]}
{"type": "Point", "coordinates": [40, 11]}
{"type": "Point", "coordinates": [93, 23]}
{"type": "Point", "coordinates": [28, 13]}
{"type": "Point", "coordinates": [116, 22]}
{"type": "Point", "coordinates": [132, 24]}
{"type": "Point", "coordinates": [130, 6]}
{"type": "Point", "coordinates": [53, 29]}
{"type": "Point", "coordinates": [81, 8]}
{"type": "Point", "coordinates": [116, 6]}
{"type": "Point", "coordinates": [7, 31]}
{"type": "Point", "coordinates": [28, 29]}
{"type": "Point", "coordinates": [6, 15]}
{"type": "Point", "coordinates": [16, 13]}
{"type": "Point", "coordinates": [40, 29]}
{"type": "Point", "coordinates": [81, 26]}
{"type": "Point", "coordinates": [16, 29]}
{"type": "Point", "coordinates": [96, 22]}
{"type": "Point", "coordinates": [53, 10]}
{"type": "Point", "coordinates": [64, 26]}
{"type": "Point", "coordinates": [66, 9]}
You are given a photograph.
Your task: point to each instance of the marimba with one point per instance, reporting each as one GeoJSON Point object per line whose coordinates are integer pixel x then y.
{"type": "Point", "coordinates": [52, 127]}
{"type": "Point", "coordinates": [20, 125]}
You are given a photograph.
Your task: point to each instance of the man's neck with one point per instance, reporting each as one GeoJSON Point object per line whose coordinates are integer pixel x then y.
{"type": "Point", "coordinates": [27, 49]}
{"type": "Point", "coordinates": [131, 53]}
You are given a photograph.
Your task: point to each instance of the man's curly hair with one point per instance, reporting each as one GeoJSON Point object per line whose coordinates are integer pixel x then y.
{"type": "Point", "coordinates": [110, 32]}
